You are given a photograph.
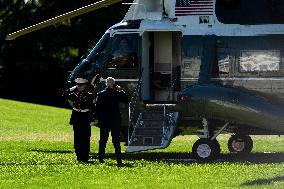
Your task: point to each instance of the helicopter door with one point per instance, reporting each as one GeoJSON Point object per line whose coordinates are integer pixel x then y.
{"type": "Point", "coordinates": [164, 57]}
{"type": "Point", "coordinates": [122, 61]}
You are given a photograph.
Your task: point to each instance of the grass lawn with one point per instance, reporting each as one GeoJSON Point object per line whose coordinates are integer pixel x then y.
{"type": "Point", "coordinates": [36, 151]}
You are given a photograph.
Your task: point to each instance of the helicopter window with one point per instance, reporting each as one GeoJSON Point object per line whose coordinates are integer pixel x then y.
{"type": "Point", "coordinates": [259, 60]}
{"type": "Point", "coordinates": [222, 65]}
{"type": "Point", "coordinates": [93, 61]}
{"type": "Point", "coordinates": [250, 12]}
{"type": "Point", "coordinates": [192, 48]}
{"type": "Point", "coordinates": [96, 54]}
{"type": "Point", "coordinates": [123, 54]}
{"type": "Point", "coordinates": [191, 67]}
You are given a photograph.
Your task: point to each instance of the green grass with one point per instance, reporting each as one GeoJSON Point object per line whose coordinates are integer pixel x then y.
{"type": "Point", "coordinates": [36, 151]}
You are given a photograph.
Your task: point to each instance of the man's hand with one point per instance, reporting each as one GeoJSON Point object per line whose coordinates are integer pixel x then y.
{"type": "Point", "coordinates": [118, 87]}
{"type": "Point", "coordinates": [72, 88]}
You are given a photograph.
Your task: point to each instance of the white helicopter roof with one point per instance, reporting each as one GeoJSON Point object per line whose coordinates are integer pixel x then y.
{"type": "Point", "coordinates": [192, 17]}
{"type": "Point", "coordinates": [182, 9]}
{"type": "Point", "coordinates": [145, 9]}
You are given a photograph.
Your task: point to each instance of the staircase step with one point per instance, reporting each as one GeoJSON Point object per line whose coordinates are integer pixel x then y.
{"type": "Point", "coordinates": [148, 131]}
{"type": "Point", "coordinates": [153, 114]}
{"type": "Point", "coordinates": [158, 107]}
{"type": "Point", "coordinates": [153, 119]}
{"type": "Point", "coordinates": [152, 123]}
{"type": "Point", "coordinates": [160, 117]}
{"type": "Point", "coordinates": [141, 140]}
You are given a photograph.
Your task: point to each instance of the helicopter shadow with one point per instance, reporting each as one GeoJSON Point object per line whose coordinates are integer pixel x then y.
{"type": "Point", "coordinates": [256, 158]}
{"type": "Point", "coordinates": [184, 157]}
{"type": "Point", "coordinates": [260, 182]}
{"type": "Point", "coordinates": [187, 158]}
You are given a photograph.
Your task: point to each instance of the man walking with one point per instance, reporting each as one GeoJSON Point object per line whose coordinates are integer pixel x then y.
{"type": "Point", "coordinates": [109, 118]}
{"type": "Point", "coordinates": [81, 102]}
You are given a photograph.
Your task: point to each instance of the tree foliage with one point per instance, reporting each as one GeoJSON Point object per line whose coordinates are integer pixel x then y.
{"type": "Point", "coordinates": [34, 67]}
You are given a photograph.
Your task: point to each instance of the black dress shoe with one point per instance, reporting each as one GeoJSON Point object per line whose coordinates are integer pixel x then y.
{"type": "Point", "coordinates": [101, 161]}
{"type": "Point", "coordinates": [120, 163]}
{"type": "Point", "coordinates": [83, 160]}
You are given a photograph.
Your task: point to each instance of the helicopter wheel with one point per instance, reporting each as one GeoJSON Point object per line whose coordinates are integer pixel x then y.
{"type": "Point", "coordinates": [205, 149]}
{"type": "Point", "coordinates": [240, 144]}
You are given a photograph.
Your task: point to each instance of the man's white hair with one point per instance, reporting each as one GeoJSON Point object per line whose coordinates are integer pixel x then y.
{"type": "Point", "coordinates": [110, 79]}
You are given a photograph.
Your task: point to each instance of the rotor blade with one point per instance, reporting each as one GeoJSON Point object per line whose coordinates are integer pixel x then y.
{"type": "Point", "coordinates": [60, 18]}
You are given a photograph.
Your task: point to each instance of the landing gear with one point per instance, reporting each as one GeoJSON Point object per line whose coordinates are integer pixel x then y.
{"type": "Point", "coordinates": [240, 144]}
{"type": "Point", "coordinates": [205, 149]}
{"type": "Point", "coordinates": [218, 147]}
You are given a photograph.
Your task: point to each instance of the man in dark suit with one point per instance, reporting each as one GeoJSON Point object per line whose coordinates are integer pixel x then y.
{"type": "Point", "coordinates": [109, 118]}
{"type": "Point", "coordinates": [81, 102]}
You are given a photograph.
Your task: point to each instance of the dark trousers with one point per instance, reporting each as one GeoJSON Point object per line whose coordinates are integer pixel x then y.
{"type": "Point", "coordinates": [82, 134]}
{"type": "Point", "coordinates": [114, 128]}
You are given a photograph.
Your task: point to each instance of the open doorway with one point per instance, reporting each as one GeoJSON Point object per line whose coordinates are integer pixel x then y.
{"type": "Point", "coordinates": [161, 60]}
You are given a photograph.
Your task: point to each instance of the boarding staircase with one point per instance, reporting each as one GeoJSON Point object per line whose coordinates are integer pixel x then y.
{"type": "Point", "coordinates": [150, 127]}
{"type": "Point", "coordinates": [155, 128]}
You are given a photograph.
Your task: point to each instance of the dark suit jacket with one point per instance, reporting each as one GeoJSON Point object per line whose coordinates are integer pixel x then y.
{"type": "Point", "coordinates": [107, 105]}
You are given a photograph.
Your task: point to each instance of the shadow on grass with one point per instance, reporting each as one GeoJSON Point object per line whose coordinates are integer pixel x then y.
{"type": "Point", "coordinates": [182, 157]}
{"type": "Point", "coordinates": [95, 162]}
{"type": "Point", "coordinates": [264, 181]}
{"type": "Point", "coordinates": [34, 163]}
{"type": "Point", "coordinates": [257, 158]}
{"type": "Point", "coordinates": [53, 151]}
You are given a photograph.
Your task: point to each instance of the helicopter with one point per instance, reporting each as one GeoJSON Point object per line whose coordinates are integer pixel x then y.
{"type": "Point", "coordinates": [191, 67]}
